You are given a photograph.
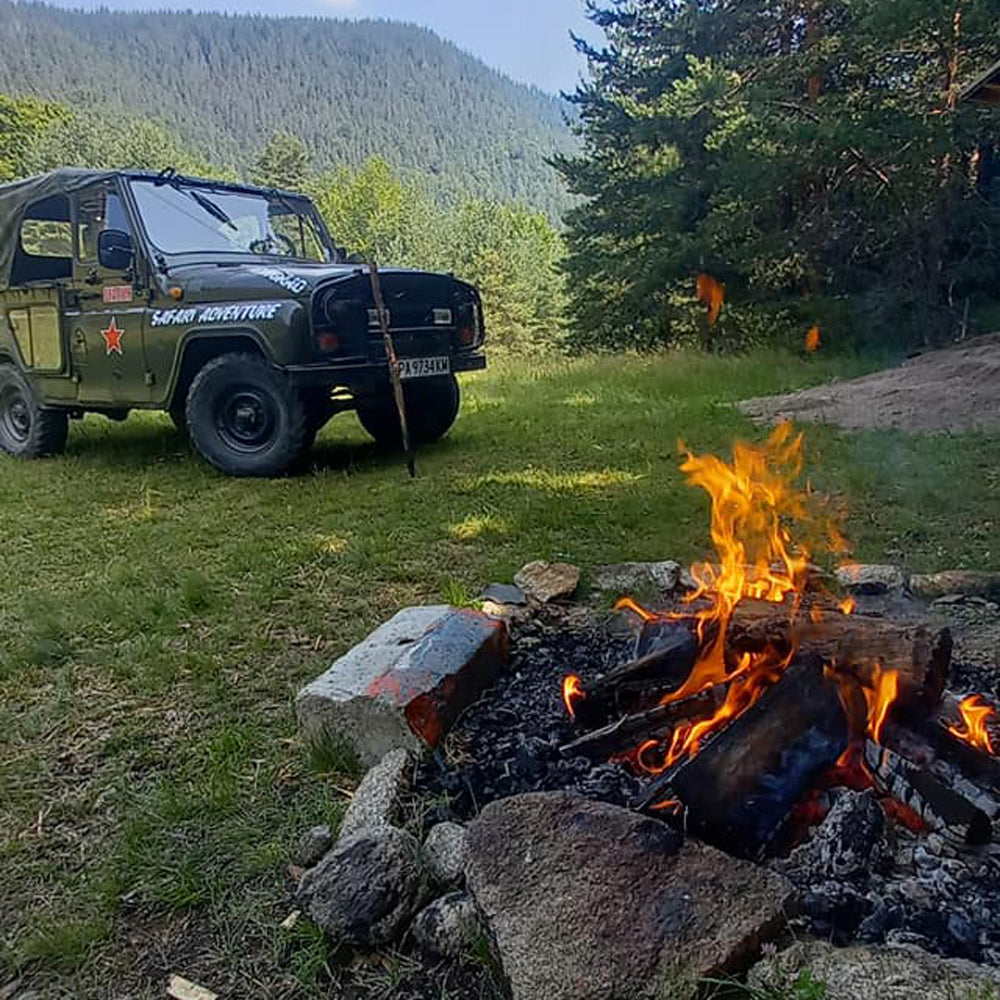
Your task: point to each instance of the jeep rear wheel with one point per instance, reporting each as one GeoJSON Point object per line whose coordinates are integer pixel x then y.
{"type": "Point", "coordinates": [431, 408]}
{"type": "Point", "coordinates": [244, 418]}
{"type": "Point", "coordinates": [28, 430]}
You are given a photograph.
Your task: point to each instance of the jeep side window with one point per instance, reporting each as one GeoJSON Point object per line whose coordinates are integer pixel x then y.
{"type": "Point", "coordinates": [44, 251]}
{"type": "Point", "coordinates": [97, 210]}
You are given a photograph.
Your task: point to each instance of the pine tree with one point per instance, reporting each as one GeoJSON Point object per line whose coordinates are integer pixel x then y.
{"type": "Point", "coordinates": [810, 154]}
{"type": "Point", "coordinates": [283, 164]}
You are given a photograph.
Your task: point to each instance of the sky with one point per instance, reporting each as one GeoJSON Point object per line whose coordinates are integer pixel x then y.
{"type": "Point", "coordinates": [528, 40]}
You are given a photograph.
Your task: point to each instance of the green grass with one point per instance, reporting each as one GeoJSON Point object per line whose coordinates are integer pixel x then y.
{"type": "Point", "coordinates": [157, 619]}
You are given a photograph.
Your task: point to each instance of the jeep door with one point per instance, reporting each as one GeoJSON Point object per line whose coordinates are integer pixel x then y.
{"type": "Point", "coordinates": [107, 320]}
{"type": "Point", "coordinates": [30, 309]}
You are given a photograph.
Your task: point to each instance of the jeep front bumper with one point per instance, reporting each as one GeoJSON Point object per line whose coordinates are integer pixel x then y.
{"type": "Point", "coordinates": [364, 374]}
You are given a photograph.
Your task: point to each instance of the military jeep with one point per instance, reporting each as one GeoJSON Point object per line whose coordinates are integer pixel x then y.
{"type": "Point", "coordinates": [227, 306]}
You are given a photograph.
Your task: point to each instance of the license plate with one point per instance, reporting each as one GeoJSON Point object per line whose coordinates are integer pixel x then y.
{"type": "Point", "coordinates": [424, 367]}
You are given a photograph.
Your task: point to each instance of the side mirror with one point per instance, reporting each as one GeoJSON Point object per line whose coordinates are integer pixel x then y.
{"type": "Point", "coordinates": [115, 250]}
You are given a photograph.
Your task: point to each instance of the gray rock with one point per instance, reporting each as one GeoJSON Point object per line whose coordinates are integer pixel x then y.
{"type": "Point", "coordinates": [960, 583]}
{"type": "Point", "coordinates": [586, 901]}
{"type": "Point", "coordinates": [504, 593]}
{"type": "Point", "coordinates": [448, 927]}
{"type": "Point", "coordinates": [365, 892]}
{"type": "Point", "coordinates": [313, 845]}
{"type": "Point", "coordinates": [546, 582]}
{"type": "Point", "coordinates": [861, 578]}
{"type": "Point", "coordinates": [445, 852]}
{"type": "Point", "coordinates": [375, 804]}
{"type": "Point", "coordinates": [864, 973]}
{"type": "Point", "coordinates": [405, 684]}
{"type": "Point", "coordinates": [638, 577]}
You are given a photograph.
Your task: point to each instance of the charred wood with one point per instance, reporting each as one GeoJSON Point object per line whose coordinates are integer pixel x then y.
{"type": "Point", "coordinates": [977, 765]}
{"type": "Point", "coordinates": [630, 730]}
{"type": "Point", "coordinates": [640, 684]}
{"type": "Point", "coordinates": [939, 806]}
{"type": "Point", "coordinates": [741, 786]}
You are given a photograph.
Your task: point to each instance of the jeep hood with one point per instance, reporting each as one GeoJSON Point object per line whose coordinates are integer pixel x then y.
{"type": "Point", "coordinates": [264, 278]}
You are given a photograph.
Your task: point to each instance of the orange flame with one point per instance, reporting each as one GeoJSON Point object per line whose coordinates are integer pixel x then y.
{"type": "Point", "coordinates": [813, 339]}
{"type": "Point", "coordinates": [627, 604]}
{"type": "Point", "coordinates": [754, 499]}
{"type": "Point", "coordinates": [848, 605]}
{"type": "Point", "coordinates": [975, 714]}
{"type": "Point", "coordinates": [880, 699]}
{"type": "Point", "coordinates": [572, 691]}
{"type": "Point", "coordinates": [711, 294]}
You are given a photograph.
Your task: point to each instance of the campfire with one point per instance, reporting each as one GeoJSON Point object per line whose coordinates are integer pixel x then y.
{"type": "Point", "coordinates": [781, 711]}
{"type": "Point", "coordinates": [766, 689]}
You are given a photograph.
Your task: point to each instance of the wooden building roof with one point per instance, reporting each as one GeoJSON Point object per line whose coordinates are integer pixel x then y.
{"type": "Point", "coordinates": [985, 90]}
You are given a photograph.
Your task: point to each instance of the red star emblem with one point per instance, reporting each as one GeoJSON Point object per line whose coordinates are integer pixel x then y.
{"type": "Point", "coordinates": [113, 337]}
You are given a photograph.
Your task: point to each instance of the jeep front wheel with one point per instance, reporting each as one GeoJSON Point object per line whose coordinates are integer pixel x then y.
{"type": "Point", "coordinates": [28, 430]}
{"type": "Point", "coordinates": [431, 408]}
{"type": "Point", "coordinates": [244, 418]}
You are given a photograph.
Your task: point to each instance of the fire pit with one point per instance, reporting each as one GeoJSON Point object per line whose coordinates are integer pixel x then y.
{"type": "Point", "coordinates": [816, 733]}
{"type": "Point", "coordinates": [632, 803]}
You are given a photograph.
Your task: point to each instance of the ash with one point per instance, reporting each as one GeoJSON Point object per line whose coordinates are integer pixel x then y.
{"type": "Point", "coordinates": [864, 878]}
{"type": "Point", "coordinates": [861, 877]}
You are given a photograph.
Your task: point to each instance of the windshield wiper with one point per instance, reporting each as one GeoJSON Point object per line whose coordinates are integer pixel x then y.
{"type": "Point", "coordinates": [210, 207]}
{"type": "Point", "coordinates": [171, 177]}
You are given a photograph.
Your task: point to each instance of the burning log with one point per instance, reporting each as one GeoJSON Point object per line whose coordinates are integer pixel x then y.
{"type": "Point", "coordinates": [740, 788]}
{"type": "Point", "coordinates": [639, 684]}
{"type": "Point", "coordinates": [857, 644]}
{"type": "Point", "coordinates": [973, 761]}
{"type": "Point", "coordinates": [630, 730]}
{"type": "Point", "coordinates": [939, 806]}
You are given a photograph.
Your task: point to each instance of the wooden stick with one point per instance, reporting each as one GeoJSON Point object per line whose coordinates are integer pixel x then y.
{"type": "Point", "coordinates": [394, 376]}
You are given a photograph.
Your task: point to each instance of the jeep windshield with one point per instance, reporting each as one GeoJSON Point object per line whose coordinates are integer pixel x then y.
{"type": "Point", "coordinates": [183, 218]}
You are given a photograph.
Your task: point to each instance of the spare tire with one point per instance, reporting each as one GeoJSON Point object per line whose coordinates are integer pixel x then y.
{"type": "Point", "coordinates": [432, 406]}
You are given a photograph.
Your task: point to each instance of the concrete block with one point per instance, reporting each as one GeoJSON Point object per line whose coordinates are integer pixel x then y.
{"type": "Point", "coordinates": [404, 686]}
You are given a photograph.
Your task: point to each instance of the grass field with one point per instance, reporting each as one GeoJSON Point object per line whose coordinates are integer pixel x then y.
{"type": "Point", "coordinates": [157, 619]}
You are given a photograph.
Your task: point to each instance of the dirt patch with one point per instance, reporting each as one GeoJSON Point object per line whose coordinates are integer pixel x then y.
{"type": "Point", "coordinates": [957, 389]}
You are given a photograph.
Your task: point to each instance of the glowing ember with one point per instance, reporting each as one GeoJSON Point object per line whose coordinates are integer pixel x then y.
{"type": "Point", "coordinates": [975, 714]}
{"type": "Point", "coordinates": [668, 806]}
{"type": "Point", "coordinates": [813, 339]}
{"type": "Point", "coordinates": [572, 691]}
{"type": "Point", "coordinates": [848, 605]}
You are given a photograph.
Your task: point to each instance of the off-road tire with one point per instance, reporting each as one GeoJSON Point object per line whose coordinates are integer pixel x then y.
{"type": "Point", "coordinates": [178, 416]}
{"type": "Point", "coordinates": [27, 429]}
{"type": "Point", "coordinates": [320, 410]}
{"type": "Point", "coordinates": [244, 418]}
{"type": "Point", "coordinates": [431, 408]}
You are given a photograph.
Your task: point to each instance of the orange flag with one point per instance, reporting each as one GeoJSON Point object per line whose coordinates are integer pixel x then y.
{"type": "Point", "coordinates": [711, 294]}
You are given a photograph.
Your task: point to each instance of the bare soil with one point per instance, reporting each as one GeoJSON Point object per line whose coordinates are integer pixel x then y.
{"type": "Point", "coordinates": [951, 390]}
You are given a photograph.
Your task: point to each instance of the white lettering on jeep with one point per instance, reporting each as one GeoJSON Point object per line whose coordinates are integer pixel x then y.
{"type": "Point", "coordinates": [241, 312]}
{"type": "Point", "coordinates": [291, 282]}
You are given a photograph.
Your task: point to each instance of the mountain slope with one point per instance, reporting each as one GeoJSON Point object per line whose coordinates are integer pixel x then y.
{"type": "Point", "coordinates": [224, 84]}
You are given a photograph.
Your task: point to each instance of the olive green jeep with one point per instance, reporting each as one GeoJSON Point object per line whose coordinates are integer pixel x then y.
{"type": "Point", "coordinates": [225, 305]}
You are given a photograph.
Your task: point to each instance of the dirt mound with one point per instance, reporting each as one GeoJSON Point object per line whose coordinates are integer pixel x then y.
{"type": "Point", "coordinates": [957, 389]}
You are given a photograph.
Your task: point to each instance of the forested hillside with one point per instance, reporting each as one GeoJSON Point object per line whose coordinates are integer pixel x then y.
{"type": "Point", "coordinates": [223, 85]}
